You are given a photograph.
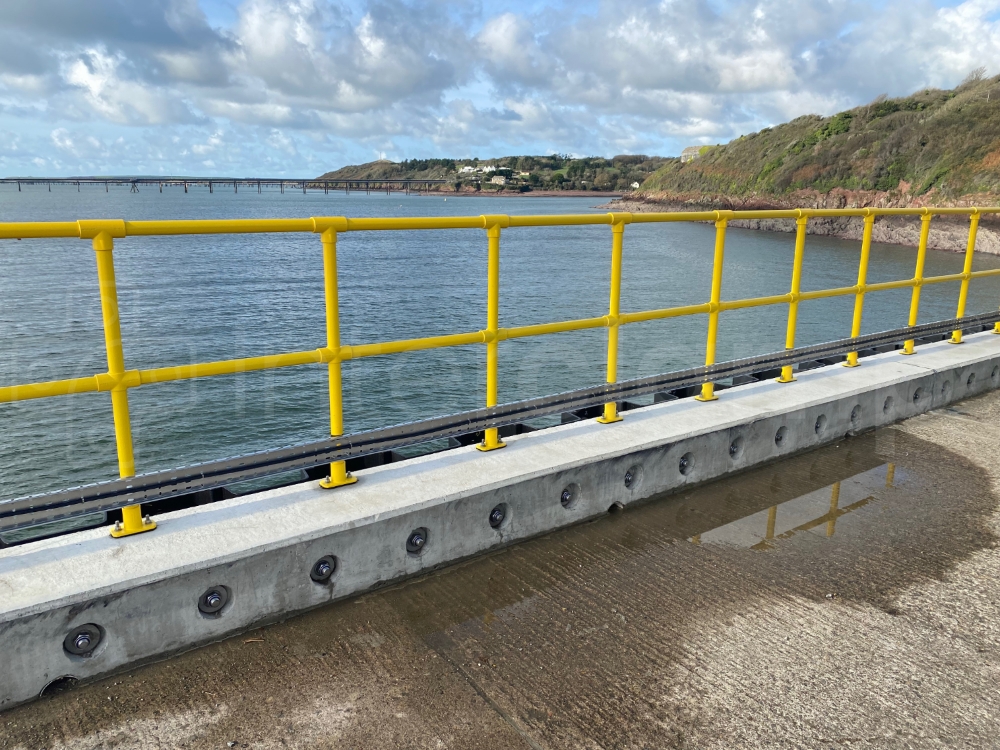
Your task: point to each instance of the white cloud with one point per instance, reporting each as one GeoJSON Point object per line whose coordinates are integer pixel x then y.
{"type": "Point", "coordinates": [60, 139]}
{"type": "Point", "coordinates": [294, 83]}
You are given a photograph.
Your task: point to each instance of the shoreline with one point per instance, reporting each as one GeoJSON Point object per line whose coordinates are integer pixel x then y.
{"type": "Point", "coordinates": [947, 233]}
{"type": "Point", "coordinates": [529, 194]}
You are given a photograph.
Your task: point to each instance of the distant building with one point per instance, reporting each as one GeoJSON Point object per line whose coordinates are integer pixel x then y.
{"type": "Point", "coordinates": [467, 169]}
{"type": "Point", "coordinates": [690, 154]}
{"type": "Point", "coordinates": [524, 175]}
{"type": "Point", "coordinates": [488, 168]}
{"type": "Point", "coordinates": [634, 186]}
{"type": "Point", "coordinates": [499, 180]}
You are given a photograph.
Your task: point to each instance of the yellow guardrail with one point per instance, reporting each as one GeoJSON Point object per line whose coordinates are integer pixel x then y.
{"type": "Point", "coordinates": [117, 380]}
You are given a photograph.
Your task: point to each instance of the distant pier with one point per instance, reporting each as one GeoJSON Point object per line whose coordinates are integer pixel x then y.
{"type": "Point", "coordinates": [225, 183]}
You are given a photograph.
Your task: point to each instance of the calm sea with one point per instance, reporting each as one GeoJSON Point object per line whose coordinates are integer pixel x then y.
{"type": "Point", "coordinates": [194, 299]}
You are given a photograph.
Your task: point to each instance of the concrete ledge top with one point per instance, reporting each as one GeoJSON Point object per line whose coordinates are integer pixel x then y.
{"type": "Point", "coordinates": [78, 566]}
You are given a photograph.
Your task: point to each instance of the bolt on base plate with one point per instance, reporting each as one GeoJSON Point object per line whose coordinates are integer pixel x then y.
{"type": "Point", "coordinates": [118, 530]}
{"type": "Point", "coordinates": [483, 447]}
{"type": "Point", "coordinates": [328, 484]}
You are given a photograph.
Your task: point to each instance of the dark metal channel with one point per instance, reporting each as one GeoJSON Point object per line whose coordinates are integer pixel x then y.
{"type": "Point", "coordinates": [208, 479]}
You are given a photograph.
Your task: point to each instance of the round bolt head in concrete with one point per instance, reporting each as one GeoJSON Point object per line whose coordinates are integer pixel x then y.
{"type": "Point", "coordinates": [82, 640]}
{"type": "Point", "coordinates": [417, 540]}
{"type": "Point", "coordinates": [213, 600]}
{"type": "Point", "coordinates": [497, 516]}
{"type": "Point", "coordinates": [323, 569]}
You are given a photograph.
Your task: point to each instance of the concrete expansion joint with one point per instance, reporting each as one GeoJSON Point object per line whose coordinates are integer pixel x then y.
{"type": "Point", "coordinates": [222, 568]}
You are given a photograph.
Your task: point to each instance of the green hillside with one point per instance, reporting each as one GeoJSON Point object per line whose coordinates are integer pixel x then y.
{"type": "Point", "coordinates": [520, 173]}
{"type": "Point", "coordinates": [425, 169]}
{"type": "Point", "coordinates": [938, 144]}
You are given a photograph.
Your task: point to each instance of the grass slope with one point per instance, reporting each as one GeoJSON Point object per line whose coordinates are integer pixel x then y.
{"type": "Point", "coordinates": [938, 144]}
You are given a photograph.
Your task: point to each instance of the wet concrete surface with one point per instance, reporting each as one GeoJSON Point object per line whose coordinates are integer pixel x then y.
{"type": "Point", "coordinates": [848, 597]}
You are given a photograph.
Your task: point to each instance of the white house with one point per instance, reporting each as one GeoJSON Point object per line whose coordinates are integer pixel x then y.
{"type": "Point", "coordinates": [634, 186]}
{"type": "Point", "coordinates": [499, 180]}
{"type": "Point", "coordinates": [467, 169]}
{"type": "Point", "coordinates": [488, 168]}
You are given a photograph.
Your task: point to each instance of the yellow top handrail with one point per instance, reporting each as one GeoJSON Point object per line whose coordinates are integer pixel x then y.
{"type": "Point", "coordinates": [118, 378]}
{"type": "Point", "coordinates": [117, 228]}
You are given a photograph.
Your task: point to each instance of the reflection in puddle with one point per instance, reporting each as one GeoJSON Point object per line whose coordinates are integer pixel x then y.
{"type": "Point", "coordinates": [814, 512]}
{"type": "Point", "coordinates": [818, 494]}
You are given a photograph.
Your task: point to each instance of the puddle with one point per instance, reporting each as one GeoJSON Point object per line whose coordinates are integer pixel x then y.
{"type": "Point", "coordinates": [816, 512]}
{"type": "Point", "coordinates": [863, 519]}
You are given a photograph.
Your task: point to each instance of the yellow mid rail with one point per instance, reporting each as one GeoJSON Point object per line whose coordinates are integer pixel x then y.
{"type": "Point", "coordinates": [118, 379]}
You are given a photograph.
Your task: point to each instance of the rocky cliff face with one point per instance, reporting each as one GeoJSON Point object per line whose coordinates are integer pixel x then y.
{"type": "Point", "coordinates": [947, 232]}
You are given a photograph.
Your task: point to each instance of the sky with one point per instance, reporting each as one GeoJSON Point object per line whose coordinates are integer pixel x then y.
{"type": "Point", "coordinates": [299, 87]}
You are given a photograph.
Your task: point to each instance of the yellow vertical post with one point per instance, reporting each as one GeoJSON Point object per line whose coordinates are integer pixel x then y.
{"type": "Point", "coordinates": [963, 295]}
{"type": "Point", "coordinates": [491, 438]}
{"type": "Point", "coordinates": [918, 277]}
{"type": "Point", "coordinates": [831, 524]}
{"type": "Point", "coordinates": [338, 469]}
{"type": "Point", "coordinates": [614, 308]}
{"type": "Point", "coordinates": [859, 299]}
{"type": "Point", "coordinates": [708, 389]}
{"type": "Point", "coordinates": [890, 474]}
{"type": "Point", "coordinates": [132, 521]}
{"type": "Point", "coordinates": [793, 303]}
{"type": "Point", "coordinates": [772, 517]}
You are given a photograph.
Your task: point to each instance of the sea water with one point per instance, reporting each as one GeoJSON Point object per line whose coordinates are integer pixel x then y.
{"type": "Point", "coordinates": [202, 298]}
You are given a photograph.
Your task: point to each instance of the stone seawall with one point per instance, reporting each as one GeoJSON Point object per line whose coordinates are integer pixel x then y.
{"type": "Point", "coordinates": [947, 233]}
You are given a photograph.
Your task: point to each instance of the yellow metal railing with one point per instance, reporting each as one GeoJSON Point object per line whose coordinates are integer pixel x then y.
{"type": "Point", "coordinates": [117, 380]}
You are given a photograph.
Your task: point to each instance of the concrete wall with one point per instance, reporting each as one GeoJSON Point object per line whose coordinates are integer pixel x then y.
{"type": "Point", "coordinates": [142, 593]}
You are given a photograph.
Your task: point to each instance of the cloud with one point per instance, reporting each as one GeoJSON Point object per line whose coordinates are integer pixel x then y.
{"type": "Point", "coordinates": [293, 85]}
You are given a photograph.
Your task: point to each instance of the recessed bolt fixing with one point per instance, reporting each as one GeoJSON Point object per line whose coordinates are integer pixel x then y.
{"type": "Point", "coordinates": [416, 541]}
{"type": "Point", "coordinates": [628, 478]}
{"type": "Point", "coordinates": [496, 516]}
{"type": "Point", "coordinates": [82, 640]}
{"type": "Point", "coordinates": [323, 569]}
{"type": "Point", "coordinates": [213, 600]}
